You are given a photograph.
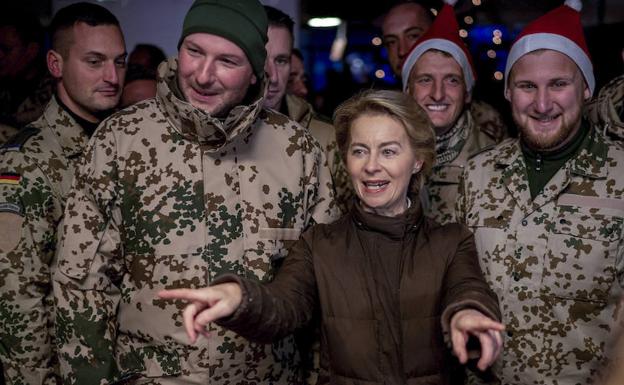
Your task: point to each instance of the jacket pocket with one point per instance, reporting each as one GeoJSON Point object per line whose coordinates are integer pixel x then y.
{"type": "Point", "coordinates": [149, 362]}
{"type": "Point", "coordinates": [266, 249]}
{"type": "Point", "coordinates": [353, 347]}
{"type": "Point", "coordinates": [582, 252]}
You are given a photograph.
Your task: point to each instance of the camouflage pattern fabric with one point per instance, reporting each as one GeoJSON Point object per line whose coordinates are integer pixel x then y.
{"type": "Point", "coordinates": [555, 262]}
{"type": "Point", "coordinates": [36, 170]}
{"type": "Point", "coordinates": [171, 197]}
{"type": "Point", "coordinates": [441, 190]}
{"type": "Point", "coordinates": [301, 111]}
{"type": "Point", "coordinates": [488, 120]}
{"type": "Point", "coordinates": [6, 132]}
{"type": "Point", "coordinates": [607, 108]}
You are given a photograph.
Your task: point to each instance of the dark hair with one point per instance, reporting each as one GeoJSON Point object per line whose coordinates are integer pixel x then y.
{"type": "Point", "coordinates": [139, 72]}
{"type": "Point", "coordinates": [88, 13]}
{"type": "Point", "coordinates": [278, 18]}
{"type": "Point", "coordinates": [155, 54]}
{"type": "Point", "coordinates": [26, 24]}
{"type": "Point", "coordinates": [297, 53]}
{"type": "Point", "coordinates": [426, 5]}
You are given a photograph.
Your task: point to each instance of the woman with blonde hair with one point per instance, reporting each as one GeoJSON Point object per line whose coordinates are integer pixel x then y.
{"type": "Point", "coordinates": [391, 285]}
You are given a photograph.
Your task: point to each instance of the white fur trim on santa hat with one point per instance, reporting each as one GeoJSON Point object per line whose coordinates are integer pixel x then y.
{"type": "Point", "coordinates": [555, 42]}
{"type": "Point", "coordinates": [574, 4]}
{"type": "Point", "coordinates": [441, 45]}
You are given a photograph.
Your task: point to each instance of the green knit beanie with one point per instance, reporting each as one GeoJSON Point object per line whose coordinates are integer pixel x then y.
{"type": "Point", "coordinates": [243, 22]}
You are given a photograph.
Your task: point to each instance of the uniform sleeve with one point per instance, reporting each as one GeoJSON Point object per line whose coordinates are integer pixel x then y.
{"type": "Point", "coordinates": [275, 310]}
{"type": "Point", "coordinates": [89, 269]}
{"type": "Point", "coordinates": [323, 207]}
{"type": "Point", "coordinates": [460, 203]}
{"type": "Point", "coordinates": [29, 214]}
{"type": "Point", "coordinates": [464, 284]}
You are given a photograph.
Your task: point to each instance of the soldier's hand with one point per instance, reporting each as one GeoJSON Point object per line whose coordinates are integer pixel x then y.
{"type": "Point", "coordinates": [472, 322]}
{"type": "Point", "coordinates": [206, 305]}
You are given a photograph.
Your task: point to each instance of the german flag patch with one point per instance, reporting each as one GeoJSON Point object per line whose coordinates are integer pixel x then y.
{"type": "Point", "coordinates": [10, 178]}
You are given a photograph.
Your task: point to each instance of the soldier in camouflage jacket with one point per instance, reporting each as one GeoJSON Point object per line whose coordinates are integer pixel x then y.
{"type": "Point", "coordinates": [606, 110]}
{"type": "Point", "coordinates": [37, 167]}
{"type": "Point", "coordinates": [170, 196]}
{"type": "Point", "coordinates": [548, 216]}
{"type": "Point", "coordinates": [439, 75]}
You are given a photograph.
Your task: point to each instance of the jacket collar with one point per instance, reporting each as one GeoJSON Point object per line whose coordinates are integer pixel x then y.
{"type": "Point", "coordinates": [68, 133]}
{"type": "Point", "coordinates": [197, 125]}
{"type": "Point", "coordinates": [589, 162]}
{"type": "Point", "coordinates": [299, 110]}
{"type": "Point", "coordinates": [392, 227]}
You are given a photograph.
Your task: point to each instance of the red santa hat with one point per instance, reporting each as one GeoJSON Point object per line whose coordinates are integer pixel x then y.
{"type": "Point", "coordinates": [559, 30]}
{"type": "Point", "coordinates": [443, 35]}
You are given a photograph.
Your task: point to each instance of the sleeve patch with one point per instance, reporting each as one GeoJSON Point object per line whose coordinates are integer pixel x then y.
{"type": "Point", "coordinates": [6, 207]}
{"type": "Point", "coordinates": [11, 229]}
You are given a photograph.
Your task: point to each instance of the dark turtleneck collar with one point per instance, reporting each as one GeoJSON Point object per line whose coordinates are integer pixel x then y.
{"type": "Point", "coordinates": [393, 227]}
{"type": "Point", "coordinates": [542, 166]}
{"type": "Point", "coordinates": [87, 126]}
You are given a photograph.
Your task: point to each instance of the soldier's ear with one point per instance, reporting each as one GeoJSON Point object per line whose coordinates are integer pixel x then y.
{"type": "Point", "coordinates": [508, 93]}
{"type": "Point", "coordinates": [55, 63]}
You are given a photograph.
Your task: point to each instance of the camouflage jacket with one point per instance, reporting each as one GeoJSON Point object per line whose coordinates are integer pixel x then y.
{"type": "Point", "coordinates": [441, 188]}
{"type": "Point", "coordinates": [6, 132]}
{"type": "Point", "coordinates": [607, 108]}
{"type": "Point", "coordinates": [170, 197]}
{"type": "Point", "coordinates": [555, 262]}
{"type": "Point", "coordinates": [489, 120]}
{"type": "Point", "coordinates": [36, 170]}
{"type": "Point", "coordinates": [301, 111]}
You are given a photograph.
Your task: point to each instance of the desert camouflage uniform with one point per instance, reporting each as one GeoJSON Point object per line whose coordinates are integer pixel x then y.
{"type": "Point", "coordinates": [555, 262]}
{"type": "Point", "coordinates": [6, 132]}
{"type": "Point", "coordinates": [489, 120]}
{"type": "Point", "coordinates": [41, 162]}
{"type": "Point", "coordinates": [301, 111]}
{"type": "Point", "coordinates": [441, 189]}
{"type": "Point", "coordinates": [607, 108]}
{"type": "Point", "coordinates": [171, 197]}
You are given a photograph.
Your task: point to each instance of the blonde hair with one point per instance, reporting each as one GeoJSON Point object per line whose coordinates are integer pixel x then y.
{"type": "Point", "coordinates": [400, 107]}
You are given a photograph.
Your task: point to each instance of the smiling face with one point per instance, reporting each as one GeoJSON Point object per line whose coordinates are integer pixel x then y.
{"type": "Point", "coordinates": [381, 162]}
{"type": "Point", "coordinates": [214, 74]}
{"type": "Point", "coordinates": [437, 84]}
{"type": "Point", "coordinates": [546, 90]}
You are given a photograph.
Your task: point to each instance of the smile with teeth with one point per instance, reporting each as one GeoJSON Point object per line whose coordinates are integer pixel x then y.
{"type": "Point", "coordinates": [437, 107]}
{"type": "Point", "coordinates": [545, 118]}
{"type": "Point", "coordinates": [375, 185]}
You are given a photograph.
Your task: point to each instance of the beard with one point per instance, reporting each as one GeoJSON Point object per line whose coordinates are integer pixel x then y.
{"type": "Point", "coordinates": [550, 141]}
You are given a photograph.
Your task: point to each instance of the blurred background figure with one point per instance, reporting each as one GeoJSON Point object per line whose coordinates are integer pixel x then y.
{"type": "Point", "coordinates": [147, 56]}
{"type": "Point", "coordinates": [25, 86]}
{"type": "Point", "coordinates": [298, 79]}
{"type": "Point", "coordinates": [140, 85]}
{"type": "Point", "coordinates": [402, 26]}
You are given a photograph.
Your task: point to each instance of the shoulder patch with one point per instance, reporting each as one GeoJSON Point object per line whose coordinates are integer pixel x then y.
{"type": "Point", "coordinates": [6, 207]}
{"type": "Point", "coordinates": [17, 141]}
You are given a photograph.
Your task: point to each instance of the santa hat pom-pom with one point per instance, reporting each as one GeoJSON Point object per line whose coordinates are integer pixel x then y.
{"type": "Point", "coordinates": [451, 2]}
{"type": "Point", "coordinates": [574, 4]}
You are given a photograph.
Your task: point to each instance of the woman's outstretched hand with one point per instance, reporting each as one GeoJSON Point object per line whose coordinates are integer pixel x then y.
{"type": "Point", "coordinates": [206, 305]}
{"type": "Point", "coordinates": [469, 322]}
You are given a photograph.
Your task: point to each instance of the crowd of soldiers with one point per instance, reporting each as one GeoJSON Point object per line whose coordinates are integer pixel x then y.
{"type": "Point", "coordinates": [222, 164]}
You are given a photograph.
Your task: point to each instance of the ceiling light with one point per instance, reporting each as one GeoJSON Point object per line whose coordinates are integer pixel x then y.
{"type": "Point", "coordinates": [321, 22]}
